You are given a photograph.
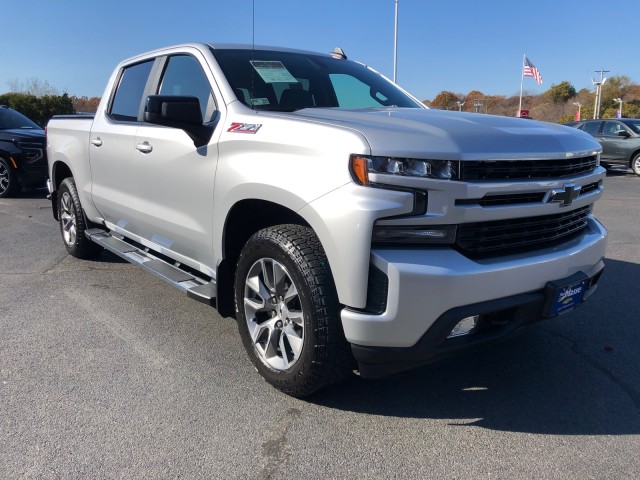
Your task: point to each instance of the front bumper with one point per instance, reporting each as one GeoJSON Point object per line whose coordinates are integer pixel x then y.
{"type": "Point", "coordinates": [429, 289]}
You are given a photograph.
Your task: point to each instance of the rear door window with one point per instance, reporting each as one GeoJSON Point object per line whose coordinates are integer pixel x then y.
{"type": "Point", "coordinates": [591, 127]}
{"type": "Point", "coordinates": [127, 100]}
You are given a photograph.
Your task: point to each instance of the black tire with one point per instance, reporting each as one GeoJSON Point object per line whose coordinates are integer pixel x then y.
{"type": "Point", "coordinates": [8, 179]}
{"type": "Point", "coordinates": [635, 164]}
{"type": "Point", "coordinates": [72, 222]}
{"type": "Point", "coordinates": [288, 311]}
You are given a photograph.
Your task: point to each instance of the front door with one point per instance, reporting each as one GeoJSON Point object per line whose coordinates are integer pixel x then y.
{"type": "Point", "coordinates": [175, 179]}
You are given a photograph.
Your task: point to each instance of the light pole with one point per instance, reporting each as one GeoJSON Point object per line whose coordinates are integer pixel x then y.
{"type": "Point", "coordinates": [619, 100]}
{"type": "Point", "coordinates": [460, 104]}
{"type": "Point", "coordinates": [579, 105]}
{"type": "Point", "coordinates": [598, 85]}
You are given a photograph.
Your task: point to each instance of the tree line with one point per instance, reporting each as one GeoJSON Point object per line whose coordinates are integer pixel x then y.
{"type": "Point", "coordinates": [558, 104]}
{"type": "Point", "coordinates": [41, 109]}
{"type": "Point", "coordinates": [39, 101]}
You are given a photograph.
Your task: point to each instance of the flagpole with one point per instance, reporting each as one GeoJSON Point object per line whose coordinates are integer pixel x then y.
{"type": "Point", "coordinates": [395, 48]}
{"type": "Point", "coordinates": [521, 83]}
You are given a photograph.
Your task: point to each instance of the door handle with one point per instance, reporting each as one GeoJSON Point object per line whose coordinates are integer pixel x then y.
{"type": "Point", "coordinates": [96, 142]}
{"type": "Point", "coordinates": [144, 147]}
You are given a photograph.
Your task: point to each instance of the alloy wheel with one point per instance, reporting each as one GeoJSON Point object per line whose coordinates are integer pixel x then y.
{"type": "Point", "coordinates": [4, 178]}
{"type": "Point", "coordinates": [68, 219]}
{"type": "Point", "coordinates": [273, 312]}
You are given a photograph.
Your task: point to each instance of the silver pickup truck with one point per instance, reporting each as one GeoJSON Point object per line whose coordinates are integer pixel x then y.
{"type": "Point", "coordinates": [344, 225]}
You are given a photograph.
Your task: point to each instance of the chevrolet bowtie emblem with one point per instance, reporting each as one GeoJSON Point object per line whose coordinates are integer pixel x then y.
{"type": "Point", "coordinates": [565, 196]}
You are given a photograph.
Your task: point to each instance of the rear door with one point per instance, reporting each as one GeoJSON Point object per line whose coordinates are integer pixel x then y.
{"type": "Point", "coordinates": [175, 179]}
{"type": "Point", "coordinates": [111, 148]}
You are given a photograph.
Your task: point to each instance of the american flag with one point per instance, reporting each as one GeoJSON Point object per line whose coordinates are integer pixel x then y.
{"type": "Point", "coordinates": [531, 71]}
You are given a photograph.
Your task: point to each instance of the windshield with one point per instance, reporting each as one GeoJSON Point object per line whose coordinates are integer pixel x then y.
{"type": "Point", "coordinates": [633, 125]}
{"type": "Point", "coordinates": [289, 81]}
{"type": "Point", "coordinates": [12, 120]}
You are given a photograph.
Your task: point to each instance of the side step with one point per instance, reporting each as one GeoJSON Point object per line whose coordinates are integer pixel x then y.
{"type": "Point", "coordinates": [196, 287]}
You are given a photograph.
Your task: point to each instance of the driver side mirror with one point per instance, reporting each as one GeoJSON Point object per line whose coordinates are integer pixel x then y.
{"type": "Point", "coordinates": [623, 133]}
{"type": "Point", "coordinates": [178, 112]}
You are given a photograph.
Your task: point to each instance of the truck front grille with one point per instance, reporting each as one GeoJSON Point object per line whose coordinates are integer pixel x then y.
{"type": "Point", "coordinates": [502, 237]}
{"type": "Point", "coordinates": [489, 170]}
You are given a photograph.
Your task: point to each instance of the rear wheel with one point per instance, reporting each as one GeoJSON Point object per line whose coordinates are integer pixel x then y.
{"type": "Point", "coordinates": [635, 164]}
{"type": "Point", "coordinates": [8, 180]}
{"type": "Point", "coordinates": [72, 222]}
{"type": "Point", "coordinates": [288, 311]}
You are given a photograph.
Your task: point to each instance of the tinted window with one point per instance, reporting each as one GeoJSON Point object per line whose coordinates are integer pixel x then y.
{"type": "Point", "coordinates": [128, 97]}
{"type": "Point", "coordinates": [353, 93]}
{"type": "Point", "coordinates": [591, 127]}
{"type": "Point", "coordinates": [611, 129]}
{"type": "Point", "coordinates": [633, 125]}
{"type": "Point", "coordinates": [184, 76]}
{"type": "Point", "coordinates": [287, 81]}
{"type": "Point", "coordinates": [10, 119]}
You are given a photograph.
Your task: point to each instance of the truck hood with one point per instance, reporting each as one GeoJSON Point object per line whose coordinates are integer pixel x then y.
{"type": "Point", "coordinates": [446, 135]}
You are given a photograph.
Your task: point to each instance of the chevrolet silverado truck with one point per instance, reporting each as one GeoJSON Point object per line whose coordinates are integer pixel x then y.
{"type": "Point", "coordinates": [346, 227]}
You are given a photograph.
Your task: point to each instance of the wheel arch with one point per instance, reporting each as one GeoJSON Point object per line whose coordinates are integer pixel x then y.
{"type": "Point", "coordinates": [633, 155]}
{"type": "Point", "coordinates": [241, 223]}
{"type": "Point", "coordinates": [59, 172]}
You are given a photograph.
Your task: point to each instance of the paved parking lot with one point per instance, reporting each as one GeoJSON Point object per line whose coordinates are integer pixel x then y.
{"type": "Point", "coordinates": [107, 372]}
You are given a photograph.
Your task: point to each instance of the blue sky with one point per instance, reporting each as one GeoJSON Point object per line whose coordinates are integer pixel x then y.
{"type": "Point", "coordinates": [443, 45]}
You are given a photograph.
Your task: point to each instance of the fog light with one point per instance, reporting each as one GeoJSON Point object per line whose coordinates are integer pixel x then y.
{"type": "Point", "coordinates": [464, 326]}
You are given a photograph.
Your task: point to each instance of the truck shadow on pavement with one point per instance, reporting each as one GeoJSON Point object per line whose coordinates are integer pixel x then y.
{"type": "Point", "coordinates": [574, 375]}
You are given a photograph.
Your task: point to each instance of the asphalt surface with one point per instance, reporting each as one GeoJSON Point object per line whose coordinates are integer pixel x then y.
{"type": "Point", "coordinates": [107, 372]}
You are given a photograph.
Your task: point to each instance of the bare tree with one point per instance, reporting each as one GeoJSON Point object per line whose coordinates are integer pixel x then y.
{"type": "Point", "coordinates": [32, 86]}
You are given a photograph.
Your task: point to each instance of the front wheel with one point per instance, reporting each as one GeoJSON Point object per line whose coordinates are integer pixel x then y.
{"type": "Point", "coordinates": [635, 164]}
{"type": "Point", "coordinates": [72, 222]}
{"type": "Point", "coordinates": [8, 180]}
{"type": "Point", "coordinates": [288, 312]}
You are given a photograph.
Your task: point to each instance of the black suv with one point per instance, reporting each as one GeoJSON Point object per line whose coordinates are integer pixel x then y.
{"type": "Point", "coordinates": [23, 152]}
{"type": "Point", "coordinates": [619, 137]}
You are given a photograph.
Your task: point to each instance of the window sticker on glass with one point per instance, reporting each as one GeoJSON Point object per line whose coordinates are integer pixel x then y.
{"type": "Point", "coordinates": [273, 72]}
{"type": "Point", "coordinates": [259, 101]}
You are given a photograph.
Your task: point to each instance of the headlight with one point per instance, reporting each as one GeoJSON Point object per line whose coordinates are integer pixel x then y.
{"type": "Point", "coordinates": [361, 166]}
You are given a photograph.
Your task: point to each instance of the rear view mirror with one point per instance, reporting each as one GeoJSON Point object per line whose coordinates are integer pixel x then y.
{"type": "Point", "coordinates": [178, 112]}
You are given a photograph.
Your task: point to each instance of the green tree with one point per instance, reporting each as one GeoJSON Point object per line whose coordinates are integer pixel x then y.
{"type": "Point", "coordinates": [631, 109]}
{"type": "Point", "coordinates": [38, 109]}
{"type": "Point", "coordinates": [561, 92]}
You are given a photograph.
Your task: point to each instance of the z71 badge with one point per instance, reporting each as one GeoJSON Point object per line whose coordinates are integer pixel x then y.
{"type": "Point", "coordinates": [244, 127]}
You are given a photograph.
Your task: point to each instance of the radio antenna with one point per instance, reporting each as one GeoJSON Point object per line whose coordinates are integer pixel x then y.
{"type": "Point", "coordinates": [253, 49]}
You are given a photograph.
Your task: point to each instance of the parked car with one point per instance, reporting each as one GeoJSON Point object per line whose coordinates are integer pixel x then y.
{"type": "Point", "coordinates": [23, 158]}
{"type": "Point", "coordinates": [620, 140]}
